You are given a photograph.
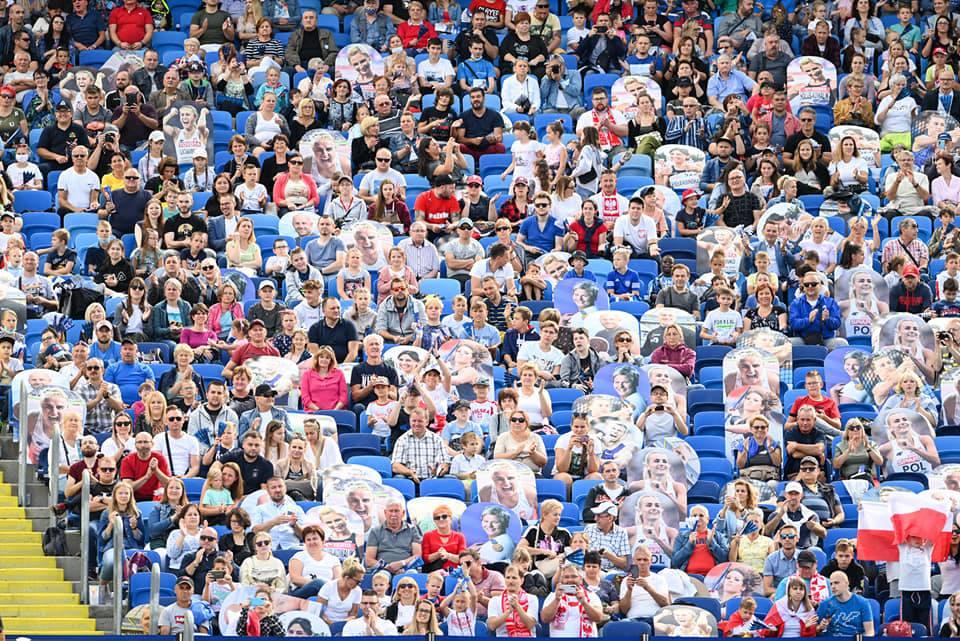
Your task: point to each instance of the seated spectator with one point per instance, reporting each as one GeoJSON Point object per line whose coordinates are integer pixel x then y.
{"type": "Point", "coordinates": [608, 538]}
{"type": "Point", "coordinates": [855, 456]}
{"type": "Point", "coordinates": [844, 613]}
{"type": "Point", "coordinates": [612, 490]}
{"type": "Point", "coordinates": [803, 440]}
{"type": "Point", "coordinates": [818, 588]}
{"type": "Point", "coordinates": [758, 456]}
{"type": "Point", "coordinates": [793, 614]}
{"type": "Point", "coordinates": [843, 561]}
{"type": "Point", "coordinates": [661, 418]}
{"type": "Point", "coordinates": [828, 415]}
{"type": "Point", "coordinates": [280, 517]}
{"type": "Point", "coordinates": [819, 496]}
{"type": "Point", "coordinates": [546, 541]}
{"type": "Point", "coordinates": [521, 444]}
{"type": "Point", "coordinates": [122, 504]}
{"type": "Point", "coordinates": [910, 295]}
{"type": "Point", "coordinates": [792, 511]}
{"type": "Point", "coordinates": [641, 596]}
{"type": "Point", "coordinates": [815, 317]}
{"type": "Point", "coordinates": [263, 568]}
{"type": "Point", "coordinates": [748, 544]}
{"type": "Point", "coordinates": [174, 616]}
{"type": "Point", "coordinates": [369, 620]}
{"type": "Point", "coordinates": [701, 547]}
{"type": "Point", "coordinates": [394, 544]}
{"type": "Point", "coordinates": [781, 563]}
{"type": "Point", "coordinates": [323, 386]}
{"type": "Point", "coordinates": [569, 613]}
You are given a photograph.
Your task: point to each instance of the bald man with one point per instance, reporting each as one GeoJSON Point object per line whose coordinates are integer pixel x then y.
{"type": "Point", "coordinates": [845, 613]}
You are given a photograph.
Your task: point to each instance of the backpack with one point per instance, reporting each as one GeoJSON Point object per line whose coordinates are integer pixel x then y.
{"type": "Point", "coordinates": [138, 562]}
{"type": "Point", "coordinates": [54, 542]}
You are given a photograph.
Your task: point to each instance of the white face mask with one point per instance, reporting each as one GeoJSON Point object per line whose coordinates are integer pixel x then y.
{"type": "Point", "coordinates": [396, 50]}
{"type": "Point", "coordinates": [23, 157]}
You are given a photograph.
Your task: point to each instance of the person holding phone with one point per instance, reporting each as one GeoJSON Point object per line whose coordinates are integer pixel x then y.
{"type": "Point", "coordinates": [268, 623]}
{"type": "Point", "coordinates": [642, 593]}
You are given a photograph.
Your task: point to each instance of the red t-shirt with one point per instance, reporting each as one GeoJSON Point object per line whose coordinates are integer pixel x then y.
{"type": "Point", "coordinates": [133, 468]}
{"type": "Point", "coordinates": [76, 470]}
{"type": "Point", "coordinates": [252, 351]}
{"type": "Point", "coordinates": [131, 25]}
{"type": "Point", "coordinates": [826, 405]}
{"type": "Point", "coordinates": [456, 544]}
{"type": "Point", "coordinates": [495, 9]}
{"type": "Point", "coordinates": [436, 210]}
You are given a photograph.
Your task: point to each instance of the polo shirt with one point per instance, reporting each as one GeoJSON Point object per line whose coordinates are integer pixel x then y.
{"type": "Point", "coordinates": [55, 140]}
{"type": "Point", "coordinates": [252, 351]}
{"type": "Point", "coordinates": [131, 25]}
{"type": "Point", "coordinates": [109, 355]}
{"type": "Point", "coordinates": [779, 567]}
{"type": "Point", "coordinates": [436, 210]}
{"type": "Point", "coordinates": [393, 546]}
{"type": "Point", "coordinates": [541, 238]}
{"type": "Point", "coordinates": [128, 378]}
{"type": "Point", "coordinates": [338, 337]}
{"type": "Point", "coordinates": [87, 29]}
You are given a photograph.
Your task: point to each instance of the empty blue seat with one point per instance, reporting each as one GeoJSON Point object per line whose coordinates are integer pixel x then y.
{"type": "Point", "coordinates": [380, 464]}
{"type": "Point", "coordinates": [352, 445]}
{"type": "Point", "coordinates": [710, 446]}
{"type": "Point", "coordinates": [551, 489]}
{"type": "Point", "coordinates": [449, 488]}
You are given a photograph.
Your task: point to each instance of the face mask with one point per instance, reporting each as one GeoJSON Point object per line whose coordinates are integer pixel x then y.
{"type": "Point", "coordinates": [371, 12]}
{"type": "Point", "coordinates": [23, 157]}
{"type": "Point", "coordinates": [396, 50]}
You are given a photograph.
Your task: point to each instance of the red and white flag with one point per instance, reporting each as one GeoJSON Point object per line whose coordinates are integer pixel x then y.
{"type": "Point", "coordinates": [882, 526]}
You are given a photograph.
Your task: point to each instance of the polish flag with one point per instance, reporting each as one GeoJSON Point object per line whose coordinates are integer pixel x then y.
{"type": "Point", "coordinates": [875, 537]}
{"type": "Point", "coordinates": [884, 525]}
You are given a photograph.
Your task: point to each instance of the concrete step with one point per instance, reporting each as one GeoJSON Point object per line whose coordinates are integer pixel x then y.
{"type": "Point", "coordinates": [27, 563]}
{"type": "Point", "coordinates": [19, 584]}
{"type": "Point", "coordinates": [38, 573]}
{"type": "Point", "coordinates": [13, 513]}
{"type": "Point", "coordinates": [51, 599]}
{"type": "Point", "coordinates": [20, 549]}
{"type": "Point", "coordinates": [41, 611]}
{"type": "Point", "coordinates": [7, 500]}
{"type": "Point", "coordinates": [73, 625]}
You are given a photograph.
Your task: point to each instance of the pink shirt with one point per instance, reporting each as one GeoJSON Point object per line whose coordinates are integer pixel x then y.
{"type": "Point", "coordinates": [323, 391]}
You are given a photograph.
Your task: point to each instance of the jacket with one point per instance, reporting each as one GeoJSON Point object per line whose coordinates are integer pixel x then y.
{"type": "Point", "coordinates": [390, 321]}
{"type": "Point", "coordinates": [809, 47]}
{"type": "Point", "coordinates": [309, 470]}
{"type": "Point", "coordinates": [570, 371]}
{"type": "Point", "coordinates": [216, 311]}
{"type": "Point", "coordinates": [323, 391]}
{"type": "Point", "coordinates": [132, 540]}
{"type": "Point", "coordinates": [276, 414]}
{"type": "Point", "coordinates": [571, 85]}
{"type": "Point", "coordinates": [682, 358]}
{"type": "Point", "coordinates": [141, 78]}
{"type": "Point", "coordinates": [931, 102]}
{"type": "Point", "coordinates": [800, 323]}
{"type": "Point", "coordinates": [376, 35]}
{"type": "Point", "coordinates": [292, 54]}
{"type": "Point", "coordinates": [717, 544]}
{"type": "Point", "coordinates": [270, 10]}
{"type": "Point", "coordinates": [202, 427]}
{"type": "Point", "coordinates": [217, 234]}
{"type": "Point", "coordinates": [610, 59]}
{"type": "Point", "coordinates": [159, 325]}
{"type": "Point", "coordinates": [791, 124]}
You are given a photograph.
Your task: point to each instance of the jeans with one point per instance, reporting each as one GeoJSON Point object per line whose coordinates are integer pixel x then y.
{"type": "Point", "coordinates": [308, 590]}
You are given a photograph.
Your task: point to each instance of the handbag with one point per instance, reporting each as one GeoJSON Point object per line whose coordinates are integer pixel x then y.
{"type": "Point", "coordinates": [547, 567]}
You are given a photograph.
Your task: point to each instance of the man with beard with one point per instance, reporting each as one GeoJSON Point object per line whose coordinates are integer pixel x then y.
{"type": "Point", "coordinates": [480, 130]}
{"type": "Point", "coordinates": [326, 252]}
{"type": "Point", "coordinates": [280, 516]}
{"type": "Point", "coordinates": [578, 368]}
{"type": "Point", "coordinates": [397, 315]}
{"type": "Point", "coordinates": [202, 561]}
{"type": "Point", "coordinates": [146, 469]}
{"type": "Point", "coordinates": [208, 421]}
{"type": "Point", "coordinates": [254, 469]}
{"type": "Point", "coordinates": [436, 207]}
{"type": "Point", "coordinates": [89, 462]}
{"type": "Point", "coordinates": [610, 123]}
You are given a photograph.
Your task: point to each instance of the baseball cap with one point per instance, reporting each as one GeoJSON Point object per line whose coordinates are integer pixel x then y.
{"type": "Point", "coordinates": [810, 459]}
{"type": "Point", "coordinates": [684, 82]}
{"type": "Point", "coordinates": [266, 284]}
{"type": "Point", "coordinates": [377, 381]}
{"type": "Point", "coordinates": [475, 180]}
{"type": "Point", "coordinates": [607, 507]}
{"type": "Point", "coordinates": [793, 486]}
{"type": "Point", "coordinates": [185, 580]}
{"type": "Point", "coordinates": [264, 390]}
{"type": "Point", "coordinates": [939, 50]}
{"type": "Point", "coordinates": [806, 558]}
{"type": "Point", "coordinates": [7, 90]}
{"type": "Point", "coordinates": [200, 153]}
{"type": "Point", "coordinates": [441, 181]}
{"type": "Point", "coordinates": [691, 193]}
{"type": "Point", "coordinates": [194, 67]}
{"type": "Point", "coordinates": [911, 270]}
{"type": "Point", "coordinates": [63, 105]}
{"type": "Point", "coordinates": [646, 191]}
{"type": "Point", "coordinates": [482, 382]}
{"type": "Point", "coordinates": [257, 321]}
{"type": "Point", "coordinates": [521, 180]}
{"type": "Point", "coordinates": [465, 222]}
{"type": "Point", "coordinates": [111, 129]}
{"type": "Point", "coordinates": [461, 404]}
{"type": "Point", "coordinates": [106, 324]}
{"type": "Point", "coordinates": [155, 135]}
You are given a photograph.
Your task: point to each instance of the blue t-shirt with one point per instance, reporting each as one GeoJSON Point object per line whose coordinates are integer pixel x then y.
{"type": "Point", "coordinates": [452, 433]}
{"type": "Point", "coordinates": [488, 336]}
{"type": "Point", "coordinates": [626, 283]}
{"type": "Point", "coordinates": [846, 619]}
{"type": "Point", "coordinates": [475, 72]}
{"type": "Point", "coordinates": [544, 239]}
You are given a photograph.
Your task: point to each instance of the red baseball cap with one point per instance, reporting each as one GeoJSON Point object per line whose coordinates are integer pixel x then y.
{"type": "Point", "coordinates": [910, 270]}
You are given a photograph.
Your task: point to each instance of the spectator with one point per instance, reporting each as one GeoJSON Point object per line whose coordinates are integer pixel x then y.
{"type": "Point", "coordinates": [792, 511]}
{"type": "Point", "coordinates": [821, 44]}
{"type": "Point", "coordinates": [608, 538]}
{"type": "Point", "coordinates": [88, 30]}
{"type": "Point", "coordinates": [910, 295]}
{"type": "Point", "coordinates": [844, 613]}
{"type": "Point", "coordinates": [569, 613]}
{"type": "Point", "coordinates": [855, 456]}
{"type": "Point", "coordinates": [906, 189]}
{"type": "Point", "coordinates": [369, 620]}
{"type": "Point", "coordinates": [781, 563]}
{"type": "Point", "coordinates": [128, 374]}
{"type": "Point", "coordinates": [394, 542]}
{"type": "Point", "coordinates": [828, 414]}
{"type": "Point", "coordinates": [750, 545]}
{"type": "Point", "coordinates": [442, 546]}
{"type": "Point", "coordinates": [173, 617]}
{"type": "Point", "coordinates": [255, 470]}
{"type": "Point", "coordinates": [323, 386]}
{"type": "Point", "coordinates": [611, 490]}
{"type": "Point", "coordinates": [793, 614]}
{"type": "Point", "coordinates": [393, 321]}
{"type": "Point", "coordinates": [280, 517]}
{"type": "Point", "coordinates": [814, 317]}
{"type": "Point", "coordinates": [481, 130]}
{"type": "Point", "coordinates": [699, 548]}
{"type": "Point", "coordinates": [758, 456]}
{"type": "Point", "coordinates": [561, 89]}
{"type": "Point", "coordinates": [264, 411]}
{"type": "Point", "coordinates": [895, 114]}
{"type": "Point", "coordinates": [131, 26]}
{"type": "Point", "coordinates": [420, 454]}
{"type": "Point", "coordinates": [818, 496]}
{"type": "Point", "coordinates": [123, 505]}
{"type": "Point", "coordinates": [103, 399]}
{"type": "Point", "coordinates": [515, 611]}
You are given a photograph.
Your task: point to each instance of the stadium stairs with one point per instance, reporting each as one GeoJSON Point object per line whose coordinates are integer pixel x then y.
{"type": "Point", "coordinates": [38, 594]}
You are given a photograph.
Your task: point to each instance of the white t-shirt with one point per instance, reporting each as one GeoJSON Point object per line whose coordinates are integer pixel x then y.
{"type": "Point", "coordinates": [437, 71]}
{"type": "Point", "coordinates": [358, 628]}
{"type": "Point", "coordinates": [531, 351]}
{"type": "Point", "coordinates": [78, 186]}
{"type": "Point", "coordinates": [109, 447]}
{"type": "Point", "coordinates": [568, 626]}
{"type": "Point", "coordinates": [322, 569]}
{"type": "Point", "coordinates": [337, 610]}
{"type": "Point", "coordinates": [373, 179]}
{"type": "Point", "coordinates": [495, 609]}
{"type": "Point", "coordinates": [915, 567]}
{"type": "Point", "coordinates": [177, 450]}
{"type": "Point", "coordinates": [637, 236]}
{"type": "Point", "coordinates": [505, 273]}
{"type": "Point", "coordinates": [641, 603]}
{"type": "Point", "coordinates": [563, 443]}
{"type": "Point", "coordinates": [250, 198]}
{"type": "Point", "coordinates": [848, 170]}
{"type": "Point", "coordinates": [611, 208]}
{"type": "Point", "coordinates": [899, 117]}
{"type": "Point", "coordinates": [23, 175]}
{"type": "Point", "coordinates": [525, 157]}
{"type": "Point", "coordinates": [722, 323]}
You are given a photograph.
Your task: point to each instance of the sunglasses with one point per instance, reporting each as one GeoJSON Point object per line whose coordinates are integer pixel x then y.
{"type": "Point", "coordinates": [624, 339]}
{"type": "Point", "coordinates": [808, 468]}
{"type": "Point", "coordinates": [93, 368]}
{"type": "Point", "coordinates": [441, 517]}
{"type": "Point", "coordinates": [123, 424]}
{"type": "Point", "coordinates": [406, 586]}
{"type": "Point", "coordinates": [383, 160]}
{"type": "Point", "coordinates": [811, 284]}
{"type": "Point", "coordinates": [208, 538]}
{"type": "Point", "coordinates": [542, 205]}
{"type": "Point", "coordinates": [855, 428]}
{"type": "Point", "coordinates": [176, 419]}
{"type": "Point", "coordinates": [207, 268]}
{"type": "Point", "coordinates": [788, 536]}
{"type": "Point", "coordinates": [140, 287]}
{"type": "Point", "coordinates": [295, 162]}
{"type": "Point", "coordinates": [518, 420]}
{"type": "Point", "coordinates": [263, 544]}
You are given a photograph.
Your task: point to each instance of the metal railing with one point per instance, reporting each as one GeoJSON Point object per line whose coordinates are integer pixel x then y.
{"type": "Point", "coordinates": [85, 539]}
{"type": "Point", "coordinates": [118, 554]}
{"type": "Point", "coordinates": [22, 438]}
{"type": "Point", "coordinates": [188, 626]}
{"type": "Point", "coordinates": [154, 598]}
{"type": "Point", "coordinates": [53, 471]}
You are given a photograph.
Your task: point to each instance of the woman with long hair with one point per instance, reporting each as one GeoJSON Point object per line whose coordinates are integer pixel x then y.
{"type": "Point", "coordinates": [793, 615]}
{"type": "Point", "coordinates": [323, 386]}
{"type": "Point", "coordinates": [299, 351]}
{"type": "Point", "coordinates": [648, 128]}
{"type": "Point", "coordinates": [519, 205]}
{"type": "Point", "coordinates": [341, 598]}
{"type": "Point", "coordinates": [216, 500]}
{"type": "Point", "coordinates": [322, 450]}
{"type": "Point", "coordinates": [944, 36]}
{"type": "Point", "coordinates": [152, 219]}
{"type": "Point", "coordinates": [340, 111]}
{"type": "Point", "coordinates": [812, 177]}
{"type": "Point", "coordinates": [167, 515]}
{"type": "Point", "coordinates": [222, 185]}
{"type": "Point", "coordinates": [198, 336]}
{"type": "Point", "coordinates": [234, 90]}
{"type": "Point", "coordinates": [396, 267]}
{"type": "Point", "coordinates": [120, 443]}
{"type": "Point", "coordinates": [435, 162]}
{"type": "Point", "coordinates": [299, 473]}
{"type": "Point", "coordinates": [121, 504]}
{"type": "Point", "coordinates": [312, 568]}
{"type": "Point", "coordinates": [849, 170]}
{"type": "Point", "coordinates": [183, 543]}
{"type": "Point", "coordinates": [116, 272]}
{"type": "Point", "coordinates": [909, 393]}
{"type": "Point", "coordinates": [58, 36]}
{"type": "Point", "coordinates": [858, 235]}
{"type": "Point", "coordinates": [405, 597]}
{"type": "Point", "coordinates": [263, 567]}
{"type": "Point", "coordinates": [154, 409]}
{"type": "Point", "coordinates": [390, 209]}
{"type": "Point", "coordinates": [864, 17]}
{"type": "Point", "coordinates": [588, 163]}
{"type": "Point", "coordinates": [243, 253]}
{"type": "Point", "coordinates": [520, 443]}
{"type": "Point", "coordinates": [305, 120]}
{"type": "Point", "coordinates": [248, 20]}
{"type": "Point", "coordinates": [765, 185]}
{"type": "Point", "coordinates": [274, 443]}
{"type": "Point", "coordinates": [425, 620]}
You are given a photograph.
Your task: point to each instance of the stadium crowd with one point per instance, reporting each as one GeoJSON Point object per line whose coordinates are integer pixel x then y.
{"type": "Point", "coordinates": [662, 291]}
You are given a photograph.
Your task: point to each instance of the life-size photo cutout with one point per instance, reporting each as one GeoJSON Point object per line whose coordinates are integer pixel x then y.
{"type": "Point", "coordinates": [35, 379]}
{"type": "Point", "coordinates": [283, 604]}
{"type": "Point", "coordinates": [359, 63]}
{"type": "Point", "coordinates": [862, 296]}
{"type": "Point", "coordinates": [366, 498]}
{"type": "Point", "coordinates": [905, 441]}
{"type": "Point", "coordinates": [688, 457]}
{"type": "Point", "coordinates": [623, 381]}
{"type": "Point", "coordinates": [299, 224]}
{"type": "Point", "coordinates": [945, 477]}
{"type": "Point", "coordinates": [75, 83]}
{"type": "Point", "coordinates": [909, 333]}
{"type": "Point", "coordinates": [654, 374]}
{"type": "Point", "coordinates": [948, 498]}
{"type": "Point", "coordinates": [406, 360]}
{"type": "Point", "coordinates": [753, 403]}
{"type": "Point", "coordinates": [883, 371]}
{"type": "Point", "coordinates": [733, 580]}
{"type": "Point", "coordinates": [187, 128]}
{"type": "Point", "coordinates": [509, 484]}
{"type": "Point", "coordinates": [773, 342]}
{"type": "Point", "coordinates": [619, 439]}
{"type": "Point", "coordinates": [661, 470]}
{"type": "Point", "coordinates": [328, 425]}
{"type": "Point", "coordinates": [325, 153]}
{"type": "Point", "coordinates": [684, 621]}
{"type": "Point", "coordinates": [342, 528]}
{"type": "Point", "coordinates": [553, 266]}
{"type": "Point", "coordinates": [604, 326]}
{"type": "Point", "coordinates": [46, 410]}
{"type": "Point", "coordinates": [304, 624]}
{"type": "Point", "coordinates": [626, 91]}
{"type": "Point", "coordinates": [678, 166]}
{"type": "Point", "coordinates": [597, 406]}
{"type": "Point", "coordinates": [749, 368]}
{"type": "Point", "coordinates": [950, 393]}
{"type": "Point", "coordinates": [346, 472]}
{"type": "Point", "coordinates": [468, 362]}
{"type": "Point", "coordinates": [765, 493]}
{"type": "Point", "coordinates": [279, 373]}
{"type": "Point", "coordinates": [655, 321]}
{"type": "Point", "coordinates": [725, 238]}
{"type": "Point", "coordinates": [577, 298]}
{"type": "Point", "coordinates": [932, 131]}
{"type": "Point", "coordinates": [373, 239]}
{"type": "Point", "coordinates": [842, 369]}
{"type": "Point", "coordinates": [421, 509]}
{"type": "Point", "coordinates": [868, 142]}
{"type": "Point", "coordinates": [811, 82]}
{"type": "Point", "coordinates": [651, 519]}
{"type": "Point", "coordinates": [492, 529]}
{"type": "Point", "coordinates": [12, 298]}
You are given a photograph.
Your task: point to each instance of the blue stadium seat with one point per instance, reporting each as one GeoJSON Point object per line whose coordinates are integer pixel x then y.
{"type": "Point", "coordinates": [581, 488]}
{"type": "Point", "coordinates": [346, 420]}
{"type": "Point", "coordinates": [679, 247]}
{"type": "Point", "coordinates": [359, 445]}
{"type": "Point", "coordinates": [449, 488]}
{"type": "Point", "coordinates": [709, 604]}
{"type": "Point", "coordinates": [444, 288]}
{"type": "Point", "coordinates": [699, 400]}
{"type": "Point", "coordinates": [494, 164]}
{"type": "Point", "coordinates": [711, 377]}
{"type": "Point", "coordinates": [94, 57]}
{"type": "Point", "coordinates": [833, 534]}
{"type": "Point", "coordinates": [708, 446]}
{"type": "Point", "coordinates": [551, 489]}
{"type": "Point", "coordinates": [381, 464]}
{"type": "Point", "coordinates": [404, 486]}
{"type": "Point", "coordinates": [703, 492]}
{"type": "Point", "coordinates": [625, 630]}
{"type": "Point", "coordinates": [140, 583]}
{"type": "Point", "coordinates": [562, 398]}
{"type": "Point", "coordinates": [718, 470]}
{"type": "Point", "coordinates": [763, 605]}
{"type": "Point", "coordinates": [194, 487]}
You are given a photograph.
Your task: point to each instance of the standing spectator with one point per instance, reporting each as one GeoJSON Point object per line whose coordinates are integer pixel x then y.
{"type": "Point", "coordinates": [212, 26]}
{"type": "Point", "coordinates": [103, 399]}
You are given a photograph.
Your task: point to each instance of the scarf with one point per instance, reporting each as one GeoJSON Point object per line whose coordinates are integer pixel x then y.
{"type": "Point", "coordinates": [904, 93]}
{"type": "Point", "coordinates": [515, 627]}
{"type": "Point", "coordinates": [568, 602]}
{"type": "Point", "coordinates": [819, 589]}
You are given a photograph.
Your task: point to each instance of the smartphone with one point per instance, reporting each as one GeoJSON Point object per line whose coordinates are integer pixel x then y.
{"type": "Point", "coordinates": [635, 572]}
{"type": "Point", "coordinates": [131, 99]}
{"type": "Point", "coordinates": [216, 575]}
{"type": "Point", "coordinates": [569, 589]}
{"type": "Point", "coordinates": [257, 601]}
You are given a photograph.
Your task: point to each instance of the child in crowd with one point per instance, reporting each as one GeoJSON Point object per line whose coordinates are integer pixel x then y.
{"type": "Point", "coordinates": [381, 585]}
{"type": "Point", "coordinates": [723, 325]}
{"type": "Point", "coordinates": [532, 283]}
{"type": "Point", "coordinates": [623, 283]}
{"type": "Point", "coordinates": [663, 280]}
{"type": "Point", "coordinates": [277, 264]}
{"type": "Point", "coordinates": [380, 409]}
{"type": "Point", "coordinates": [361, 314]}
{"type": "Point", "coordinates": [843, 561]}
{"type": "Point", "coordinates": [743, 622]}
{"type": "Point", "coordinates": [948, 306]}
{"type": "Point", "coordinates": [578, 266]}
{"type": "Point", "coordinates": [138, 406]}
{"type": "Point", "coordinates": [60, 258]}
{"type": "Point", "coordinates": [454, 430]}
{"type": "Point", "coordinates": [465, 464]}
{"type": "Point", "coordinates": [459, 607]}
{"type": "Point", "coordinates": [482, 408]}
{"type": "Point", "coordinates": [952, 271]}
{"type": "Point", "coordinates": [453, 322]}
{"type": "Point", "coordinates": [252, 195]}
